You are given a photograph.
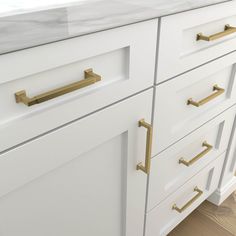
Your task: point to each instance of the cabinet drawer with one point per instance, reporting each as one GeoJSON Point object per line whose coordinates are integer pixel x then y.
{"type": "Point", "coordinates": [179, 49]}
{"type": "Point", "coordinates": [173, 167]}
{"type": "Point", "coordinates": [85, 171]}
{"type": "Point", "coordinates": [175, 117]}
{"type": "Point", "coordinates": [123, 58]}
{"type": "Point", "coordinates": [163, 218]}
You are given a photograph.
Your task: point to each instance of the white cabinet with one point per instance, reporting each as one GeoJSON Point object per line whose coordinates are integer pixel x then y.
{"type": "Point", "coordinates": [227, 183]}
{"type": "Point", "coordinates": [123, 57]}
{"type": "Point", "coordinates": [179, 48]}
{"type": "Point", "coordinates": [193, 115]}
{"type": "Point", "coordinates": [174, 166]}
{"type": "Point", "coordinates": [110, 152]}
{"type": "Point", "coordinates": [175, 118]}
{"type": "Point", "coordinates": [80, 179]}
{"type": "Point", "coordinates": [163, 218]}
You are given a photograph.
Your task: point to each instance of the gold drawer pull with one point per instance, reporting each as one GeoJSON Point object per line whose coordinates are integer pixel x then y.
{"type": "Point", "coordinates": [90, 78]}
{"type": "Point", "coordinates": [216, 88]}
{"type": "Point", "coordinates": [227, 31]}
{"type": "Point", "coordinates": [199, 156]}
{"type": "Point", "coordinates": [189, 203]}
{"type": "Point", "coordinates": [146, 168]}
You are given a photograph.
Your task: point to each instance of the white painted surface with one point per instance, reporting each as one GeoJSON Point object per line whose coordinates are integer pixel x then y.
{"type": "Point", "coordinates": [221, 194]}
{"type": "Point", "coordinates": [229, 170]}
{"type": "Point", "coordinates": [124, 58]}
{"type": "Point", "coordinates": [81, 179]}
{"type": "Point", "coordinates": [179, 50]}
{"type": "Point", "coordinates": [167, 174]}
{"type": "Point", "coordinates": [162, 219]}
{"type": "Point", "coordinates": [173, 118]}
{"type": "Point", "coordinates": [227, 183]}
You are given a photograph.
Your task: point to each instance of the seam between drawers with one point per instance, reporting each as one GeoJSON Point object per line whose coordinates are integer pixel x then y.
{"type": "Point", "coordinates": [187, 71]}
{"type": "Point", "coordinates": [233, 106]}
{"type": "Point", "coordinates": [189, 179]}
{"type": "Point", "coordinates": [72, 121]}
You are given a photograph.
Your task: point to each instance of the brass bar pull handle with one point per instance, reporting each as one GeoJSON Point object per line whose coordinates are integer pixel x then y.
{"type": "Point", "coordinates": [218, 92]}
{"type": "Point", "coordinates": [197, 157]}
{"type": "Point", "coordinates": [227, 31]}
{"type": "Point", "coordinates": [90, 78]}
{"type": "Point", "coordinates": [140, 166]}
{"type": "Point", "coordinates": [190, 202]}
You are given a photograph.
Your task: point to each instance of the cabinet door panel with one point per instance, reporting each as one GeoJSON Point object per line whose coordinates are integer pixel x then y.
{"type": "Point", "coordinates": [72, 199]}
{"type": "Point", "coordinates": [80, 179]}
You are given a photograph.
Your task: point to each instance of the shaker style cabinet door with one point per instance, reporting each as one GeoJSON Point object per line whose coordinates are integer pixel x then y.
{"type": "Point", "coordinates": [82, 179]}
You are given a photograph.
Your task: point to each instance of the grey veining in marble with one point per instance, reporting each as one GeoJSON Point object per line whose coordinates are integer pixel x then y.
{"type": "Point", "coordinates": [28, 23]}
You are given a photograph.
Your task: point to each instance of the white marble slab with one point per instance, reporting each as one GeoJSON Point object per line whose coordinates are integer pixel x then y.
{"type": "Point", "coordinates": [28, 23]}
{"type": "Point", "coordinates": [12, 7]}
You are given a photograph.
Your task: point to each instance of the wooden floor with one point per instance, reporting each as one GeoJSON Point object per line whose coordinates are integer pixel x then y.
{"type": "Point", "coordinates": [210, 220]}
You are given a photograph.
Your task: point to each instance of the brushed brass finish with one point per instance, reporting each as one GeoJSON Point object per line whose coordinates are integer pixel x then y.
{"type": "Point", "coordinates": [140, 166]}
{"type": "Point", "coordinates": [227, 31]}
{"type": "Point", "coordinates": [218, 92]}
{"type": "Point", "coordinates": [190, 202]}
{"type": "Point", "coordinates": [197, 157]}
{"type": "Point", "coordinates": [90, 78]}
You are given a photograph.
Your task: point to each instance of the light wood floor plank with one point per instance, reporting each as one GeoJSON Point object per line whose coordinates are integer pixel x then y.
{"type": "Point", "coordinates": [210, 220]}
{"type": "Point", "coordinates": [224, 215]}
{"type": "Point", "coordinates": [199, 225]}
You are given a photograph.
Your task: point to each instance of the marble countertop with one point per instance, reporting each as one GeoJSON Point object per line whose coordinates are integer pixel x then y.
{"type": "Point", "coordinates": [28, 23]}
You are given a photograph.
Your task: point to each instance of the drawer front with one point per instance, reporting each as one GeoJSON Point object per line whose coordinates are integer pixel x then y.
{"type": "Point", "coordinates": [173, 167]}
{"type": "Point", "coordinates": [85, 171]}
{"type": "Point", "coordinates": [179, 49]}
{"type": "Point", "coordinates": [123, 58]}
{"type": "Point", "coordinates": [175, 116]}
{"type": "Point", "coordinates": [163, 218]}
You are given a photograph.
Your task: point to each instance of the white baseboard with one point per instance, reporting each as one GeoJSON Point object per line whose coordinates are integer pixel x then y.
{"type": "Point", "coordinates": [223, 193]}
